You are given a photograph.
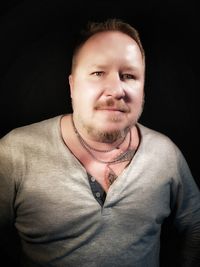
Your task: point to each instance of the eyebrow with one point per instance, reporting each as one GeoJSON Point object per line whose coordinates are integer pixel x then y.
{"type": "Point", "coordinates": [99, 66]}
{"type": "Point", "coordinates": [131, 68]}
{"type": "Point", "coordinates": [103, 66]}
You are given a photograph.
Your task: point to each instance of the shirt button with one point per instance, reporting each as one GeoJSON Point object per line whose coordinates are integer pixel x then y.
{"type": "Point", "coordinates": [98, 194]}
{"type": "Point", "coordinates": [92, 179]}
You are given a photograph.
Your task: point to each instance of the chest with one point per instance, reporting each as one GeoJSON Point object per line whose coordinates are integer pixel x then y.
{"type": "Point", "coordinates": [60, 199]}
{"type": "Point", "coordinates": [104, 174]}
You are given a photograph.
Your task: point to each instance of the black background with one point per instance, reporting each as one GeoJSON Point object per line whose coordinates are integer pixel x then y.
{"type": "Point", "coordinates": [36, 40]}
{"type": "Point", "coordinates": [37, 37]}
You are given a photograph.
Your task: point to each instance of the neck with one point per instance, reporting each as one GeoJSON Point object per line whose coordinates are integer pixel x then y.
{"type": "Point", "coordinates": [103, 142]}
{"type": "Point", "coordinates": [123, 156]}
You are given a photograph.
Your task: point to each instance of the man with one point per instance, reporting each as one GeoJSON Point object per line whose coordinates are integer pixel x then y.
{"type": "Point", "coordinates": [94, 188]}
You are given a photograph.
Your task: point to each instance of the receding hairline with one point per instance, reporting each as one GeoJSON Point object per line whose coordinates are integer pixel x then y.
{"type": "Point", "coordinates": [110, 25]}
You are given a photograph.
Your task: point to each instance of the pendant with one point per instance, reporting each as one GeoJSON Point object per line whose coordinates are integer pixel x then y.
{"type": "Point", "coordinates": [110, 176]}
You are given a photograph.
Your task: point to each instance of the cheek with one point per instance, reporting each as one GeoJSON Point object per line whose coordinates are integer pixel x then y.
{"type": "Point", "coordinates": [135, 96]}
{"type": "Point", "coordinates": [86, 90]}
{"type": "Point", "coordinates": [83, 98]}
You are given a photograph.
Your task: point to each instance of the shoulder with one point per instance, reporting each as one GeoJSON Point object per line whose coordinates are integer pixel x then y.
{"type": "Point", "coordinates": [26, 145]}
{"type": "Point", "coordinates": [159, 146]}
{"type": "Point", "coordinates": [31, 133]}
{"type": "Point", "coordinates": [162, 153]}
{"type": "Point", "coordinates": [155, 138]}
{"type": "Point", "coordinates": [24, 142]}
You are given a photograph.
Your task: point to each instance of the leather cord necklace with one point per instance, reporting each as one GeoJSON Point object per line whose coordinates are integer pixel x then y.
{"type": "Point", "coordinates": [99, 150]}
{"type": "Point", "coordinates": [127, 155]}
{"type": "Point", "coordinates": [124, 156]}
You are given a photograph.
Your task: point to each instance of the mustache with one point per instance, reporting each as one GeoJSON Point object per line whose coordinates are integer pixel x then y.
{"type": "Point", "coordinates": [112, 104]}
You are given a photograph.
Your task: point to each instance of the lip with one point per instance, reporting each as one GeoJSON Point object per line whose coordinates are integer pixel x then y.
{"type": "Point", "coordinates": [116, 109]}
{"type": "Point", "coordinates": [112, 105]}
{"type": "Point", "coordinates": [112, 110]}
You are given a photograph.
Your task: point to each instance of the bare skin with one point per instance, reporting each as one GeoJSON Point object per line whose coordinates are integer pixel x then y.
{"type": "Point", "coordinates": [94, 168]}
{"type": "Point", "coordinates": [106, 88]}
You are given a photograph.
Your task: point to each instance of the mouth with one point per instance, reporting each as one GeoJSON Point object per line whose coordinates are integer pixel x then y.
{"type": "Point", "coordinates": [112, 109]}
{"type": "Point", "coordinates": [112, 105]}
{"type": "Point", "coordinates": [115, 108]}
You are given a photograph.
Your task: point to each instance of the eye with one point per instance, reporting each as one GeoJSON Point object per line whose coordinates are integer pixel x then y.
{"type": "Point", "coordinates": [98, 73]}
{"type": "Point", "coordinates": [127, 76]}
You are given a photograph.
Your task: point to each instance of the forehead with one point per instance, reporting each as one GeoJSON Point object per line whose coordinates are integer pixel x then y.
{"type": "Point", "coordinates": [105, 36]}
{"type": "Point", "coordinates": [110, 43]}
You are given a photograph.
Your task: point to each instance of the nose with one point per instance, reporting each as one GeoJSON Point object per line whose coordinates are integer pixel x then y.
{"type": "Point", "coordinates": [114, 86]}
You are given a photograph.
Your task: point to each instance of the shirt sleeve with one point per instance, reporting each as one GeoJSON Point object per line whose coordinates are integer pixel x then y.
{"type": "Point", "coordinates": [187, 215]}
{"type": "Point", "coordinates": [9, 241]}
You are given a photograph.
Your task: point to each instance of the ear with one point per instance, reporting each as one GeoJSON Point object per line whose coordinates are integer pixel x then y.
{"type": "Point", "coordinates": [71, 84]}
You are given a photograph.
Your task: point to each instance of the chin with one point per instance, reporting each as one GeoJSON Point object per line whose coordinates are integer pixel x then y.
{"type": "Point", "coordinates": [111, 127]}
{"type": "Point", "coordinates": [115, 124]}
{"type": "Point", "coordinates": [110, 134]}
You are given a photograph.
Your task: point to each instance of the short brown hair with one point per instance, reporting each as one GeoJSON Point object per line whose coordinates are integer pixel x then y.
{"type": "Point", "coordinates": [108, 25]}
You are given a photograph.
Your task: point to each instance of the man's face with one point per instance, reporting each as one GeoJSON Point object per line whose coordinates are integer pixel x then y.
{"type": "Point", "coordinates": [107, 84]}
